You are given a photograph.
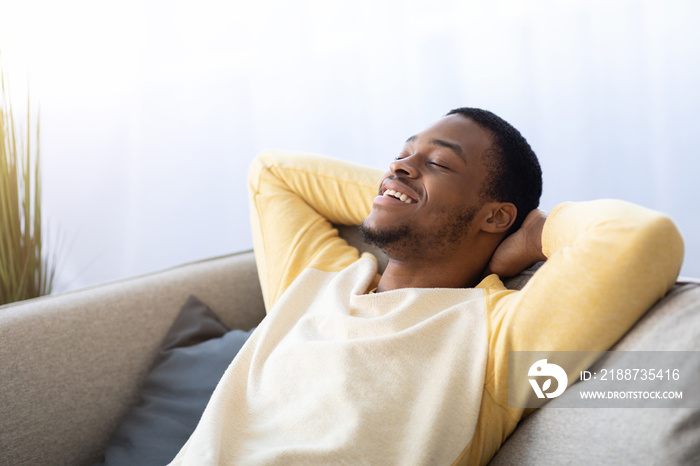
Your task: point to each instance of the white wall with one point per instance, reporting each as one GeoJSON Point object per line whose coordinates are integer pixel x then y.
{"type": "Point", "coordinates": [151, 110]}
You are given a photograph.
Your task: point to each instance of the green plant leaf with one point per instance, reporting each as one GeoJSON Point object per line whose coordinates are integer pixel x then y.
{"type": "Point", "coordinates": [27, 268]}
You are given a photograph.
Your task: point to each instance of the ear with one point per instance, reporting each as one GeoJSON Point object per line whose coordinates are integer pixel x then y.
{"type": "Point", "coordinates": [499, 217]}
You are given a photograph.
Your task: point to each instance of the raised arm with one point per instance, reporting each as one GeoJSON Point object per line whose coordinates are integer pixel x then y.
{"type": "Point", "coordinates": [294, 198]}
{"type": "Point", "coordinates": [608, 262]}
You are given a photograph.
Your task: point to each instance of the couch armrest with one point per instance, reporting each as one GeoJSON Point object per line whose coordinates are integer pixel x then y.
{"type": "Point", "coordinates": [71, 364]}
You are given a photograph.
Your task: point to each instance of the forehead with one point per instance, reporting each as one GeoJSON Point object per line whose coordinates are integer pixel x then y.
{"type": "Point", "coordinates": [457, 129]}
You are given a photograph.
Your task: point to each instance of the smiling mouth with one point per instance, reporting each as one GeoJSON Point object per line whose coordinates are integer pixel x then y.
{"type": "Point", "coordinates": [398, 195]}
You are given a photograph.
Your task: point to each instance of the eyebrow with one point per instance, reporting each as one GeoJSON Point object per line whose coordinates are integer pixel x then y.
{"type": "Point", "coordinates": [442, 143]}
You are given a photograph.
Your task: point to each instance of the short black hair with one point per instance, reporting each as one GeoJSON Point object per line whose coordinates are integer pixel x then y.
{"type": "Point", "coordinates": [514, 174]}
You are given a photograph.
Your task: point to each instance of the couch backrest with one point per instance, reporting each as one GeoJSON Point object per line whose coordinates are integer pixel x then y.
{"type": "Point", "coordinates": [72, 364]}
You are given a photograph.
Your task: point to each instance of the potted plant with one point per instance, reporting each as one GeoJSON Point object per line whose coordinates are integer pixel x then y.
{"type": "Point", "coordinates": [26, 268]}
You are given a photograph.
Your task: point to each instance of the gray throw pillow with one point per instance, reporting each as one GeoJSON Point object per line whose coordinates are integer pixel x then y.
{"type": "Point", "coordinates": [194, 355]}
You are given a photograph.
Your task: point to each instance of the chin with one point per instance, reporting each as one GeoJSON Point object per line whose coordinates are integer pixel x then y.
{"type": "Point", "coordinates": [384, 238]}
{"type": "Point", "coordinates": [398, 242]}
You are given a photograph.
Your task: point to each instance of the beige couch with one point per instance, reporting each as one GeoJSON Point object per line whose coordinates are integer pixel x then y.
{"type": "Point", "coordinates": [71, 366]}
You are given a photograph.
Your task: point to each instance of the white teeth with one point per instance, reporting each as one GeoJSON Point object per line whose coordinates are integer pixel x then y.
{"type": "Point", "coordinates": [398, 195]}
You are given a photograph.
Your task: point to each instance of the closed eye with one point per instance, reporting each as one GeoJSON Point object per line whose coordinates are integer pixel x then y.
{"type": "Point", "coordinates": [438, 165]}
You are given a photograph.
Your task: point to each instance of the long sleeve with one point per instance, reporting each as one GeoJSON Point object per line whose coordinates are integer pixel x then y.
{"type": "Point", "coordinates": [294, 200]}
{"type": "Point", "coordinates": [608, 262]}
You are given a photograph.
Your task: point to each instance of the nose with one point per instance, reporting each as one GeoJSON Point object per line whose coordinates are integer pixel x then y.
{"type": "Point", "coordinates": [404, 167]}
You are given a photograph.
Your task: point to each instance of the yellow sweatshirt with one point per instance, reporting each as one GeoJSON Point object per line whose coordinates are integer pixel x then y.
{"type": "Point", "coordinates": [334, 375]}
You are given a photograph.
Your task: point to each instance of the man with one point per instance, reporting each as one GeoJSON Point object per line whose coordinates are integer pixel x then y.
{"type": "Point", "coordinates": [410, 366]}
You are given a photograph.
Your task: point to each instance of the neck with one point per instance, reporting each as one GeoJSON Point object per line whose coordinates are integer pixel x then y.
{"type": "Point", "coordinates": [456, 271]}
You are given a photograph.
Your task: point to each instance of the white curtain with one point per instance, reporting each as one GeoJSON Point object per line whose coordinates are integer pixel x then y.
{"type": "Point", "coordinates": [151, 110]}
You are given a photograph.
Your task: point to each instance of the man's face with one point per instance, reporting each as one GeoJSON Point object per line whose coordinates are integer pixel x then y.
{"type": "Point", "coordinates": [438, 176]}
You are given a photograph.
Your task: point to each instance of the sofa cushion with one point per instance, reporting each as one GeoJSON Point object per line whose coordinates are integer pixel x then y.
{"type": "Point", "coordinates": [554, 435]}
{"type": "Point", "coordinates": [194, 355]}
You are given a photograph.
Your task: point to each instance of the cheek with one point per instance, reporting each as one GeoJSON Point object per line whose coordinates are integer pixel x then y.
{"type": "Point", "coordinates": [451, 204]}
